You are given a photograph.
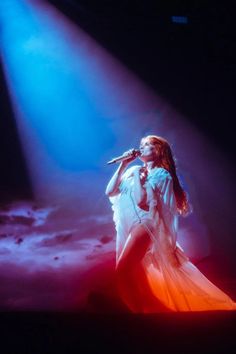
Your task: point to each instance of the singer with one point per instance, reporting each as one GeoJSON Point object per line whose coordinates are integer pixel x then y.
{"type": "Point", "coordinates": [152, 271]}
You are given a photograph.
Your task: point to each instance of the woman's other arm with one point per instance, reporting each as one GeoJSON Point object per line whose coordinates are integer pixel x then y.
{"type": "Point", "coordinates": [140, 194]}
{"type": "Point", "coordinates": [167, 204]}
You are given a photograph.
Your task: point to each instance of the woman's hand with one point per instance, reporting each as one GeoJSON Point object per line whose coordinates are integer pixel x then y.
{"type": "Point", "coordinates": [139, 190]}
{"type": "Point", "coordinates": [132, 157]}
{"type": "Point", "coordinates": [140, 173]}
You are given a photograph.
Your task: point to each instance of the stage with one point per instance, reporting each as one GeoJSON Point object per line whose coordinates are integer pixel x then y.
{"type": "Point", "coordinates": [82, 82]}
{"type": "Point", "coordinates": [45, 332]}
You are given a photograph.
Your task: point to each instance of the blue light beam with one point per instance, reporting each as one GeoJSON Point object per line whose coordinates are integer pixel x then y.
{"type": "Point", "coordinates": [74, 103]}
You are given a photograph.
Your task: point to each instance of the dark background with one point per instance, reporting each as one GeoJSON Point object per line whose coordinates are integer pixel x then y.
{"type": "Point", "coordinates": [191, 65]}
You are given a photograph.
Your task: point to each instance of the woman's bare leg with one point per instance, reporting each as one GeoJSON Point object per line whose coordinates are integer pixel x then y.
{"type": "Point", "coordinates": [136, 247]}
{"type": "Point", "coordinates": [132, 281]}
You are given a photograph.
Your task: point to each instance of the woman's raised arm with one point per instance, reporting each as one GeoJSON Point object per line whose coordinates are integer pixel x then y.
{"type": "Point", "coordinates": [112, 188]}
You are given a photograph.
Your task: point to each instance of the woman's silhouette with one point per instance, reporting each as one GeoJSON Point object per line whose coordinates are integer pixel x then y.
{"type": "Point", "coordinates": [153, 272]}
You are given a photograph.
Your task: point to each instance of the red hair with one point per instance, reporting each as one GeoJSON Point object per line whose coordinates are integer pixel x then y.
{"type": "Point", "coordinates": [166, 160]}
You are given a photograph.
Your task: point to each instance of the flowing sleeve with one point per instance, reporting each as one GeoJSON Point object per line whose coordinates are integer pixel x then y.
{"type": "Point", "coordinates": [122, 189]}
{"type": "Point", "coordinates": [163, 199]}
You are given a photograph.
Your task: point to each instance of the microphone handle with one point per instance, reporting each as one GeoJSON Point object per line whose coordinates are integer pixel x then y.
{"type": "Point", "coordinates": [122, 158]}
{"type": "Point", "coordinates": [118, 159]}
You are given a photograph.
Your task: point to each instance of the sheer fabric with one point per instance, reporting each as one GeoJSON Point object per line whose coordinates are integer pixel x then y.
{"type": "Point", "coordinates": [173, 281]}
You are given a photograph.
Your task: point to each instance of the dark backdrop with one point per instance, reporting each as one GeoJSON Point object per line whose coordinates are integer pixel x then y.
{"type": "Point", "coordinates": [191, 65]}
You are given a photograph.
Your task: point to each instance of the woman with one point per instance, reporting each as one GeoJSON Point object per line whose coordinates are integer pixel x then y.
{"type": "Point", "coordinates": [153, 273]}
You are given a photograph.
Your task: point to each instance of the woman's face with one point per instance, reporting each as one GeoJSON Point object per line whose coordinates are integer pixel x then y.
{"type": "Point", "coordinates": [148, 151]}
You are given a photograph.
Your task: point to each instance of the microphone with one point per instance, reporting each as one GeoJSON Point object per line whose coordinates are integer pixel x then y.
{"type": "Point", "coordinates": [134, 153]}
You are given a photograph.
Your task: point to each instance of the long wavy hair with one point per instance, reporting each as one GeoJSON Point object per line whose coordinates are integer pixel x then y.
{"type": "Point", "coordinates": [166, 160]}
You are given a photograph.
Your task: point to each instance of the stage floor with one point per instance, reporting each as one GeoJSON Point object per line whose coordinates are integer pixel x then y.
{"type": "Point", "coordinates": [45, 332]}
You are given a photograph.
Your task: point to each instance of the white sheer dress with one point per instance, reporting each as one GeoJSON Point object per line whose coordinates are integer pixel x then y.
{"type": "Point", "coordinates": [173, 279]}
